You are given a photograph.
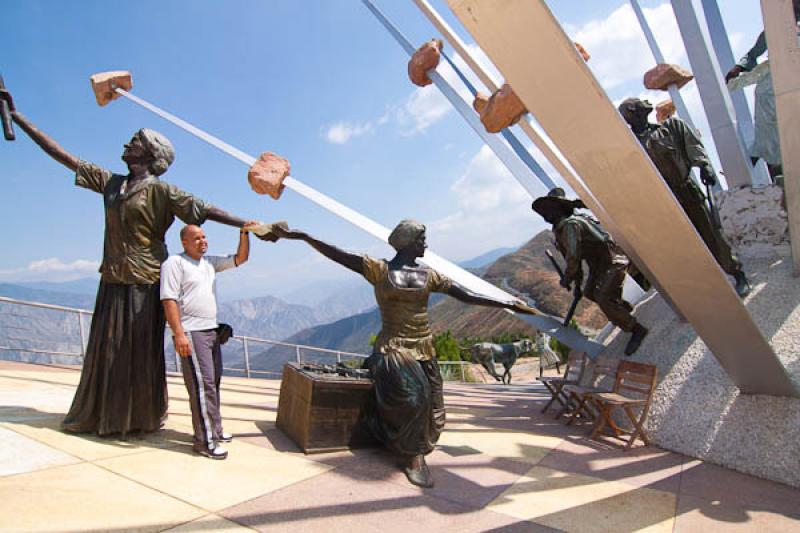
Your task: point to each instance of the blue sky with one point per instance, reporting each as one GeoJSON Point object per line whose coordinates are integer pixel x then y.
{"type": "Point", "coordinates": [320, 82]}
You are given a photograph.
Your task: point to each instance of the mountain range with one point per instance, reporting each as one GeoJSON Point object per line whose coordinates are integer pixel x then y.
{"type": "Point", "coordinates": [335, 315]}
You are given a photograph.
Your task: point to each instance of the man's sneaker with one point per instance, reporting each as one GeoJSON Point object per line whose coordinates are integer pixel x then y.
{"type": "Point", "coordinates": [225, 437]}
{"type": "Point", "coordinates": [217, 452]}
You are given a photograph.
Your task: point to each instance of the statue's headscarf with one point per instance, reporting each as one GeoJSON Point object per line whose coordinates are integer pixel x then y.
{"type": "Point", "coordinates": [160, 148]}
{"type": "Point", "coordinates": [405, 234]}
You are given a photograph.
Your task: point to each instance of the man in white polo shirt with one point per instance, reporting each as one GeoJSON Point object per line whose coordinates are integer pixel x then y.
{"type": "Point", "coordinates": [188, 293]}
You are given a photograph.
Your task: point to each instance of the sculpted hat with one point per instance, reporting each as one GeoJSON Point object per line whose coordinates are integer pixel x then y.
{"type": "Point", "coordinates": [556, 198]}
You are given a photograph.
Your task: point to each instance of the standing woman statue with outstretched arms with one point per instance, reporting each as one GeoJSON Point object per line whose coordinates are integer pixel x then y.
{"type": "Point", "coordinates": [408, 414]}
{"type": "Point", "coordinates": [123, 385]}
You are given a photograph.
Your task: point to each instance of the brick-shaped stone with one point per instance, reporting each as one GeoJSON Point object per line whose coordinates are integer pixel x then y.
{"type": "Point", "coordinates": [664, 110]}
{"type": "Point", "coordinates": [267, 174]}
{"type": "Point", "coordinates": [663, 75]}
{"type": "Point", "coordinates": [503, 109]}
{"type": "Point", "coordinates": [425, 58]}
{"type": "Point", "coordinates": [103, 84]}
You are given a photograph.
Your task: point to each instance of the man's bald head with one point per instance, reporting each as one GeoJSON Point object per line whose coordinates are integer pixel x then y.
{"type": "Point", "coordinates": [194, 242]}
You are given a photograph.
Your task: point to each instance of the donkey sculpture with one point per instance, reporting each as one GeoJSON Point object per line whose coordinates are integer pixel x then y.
{"type": "Point", "coordinates": [488, 354]}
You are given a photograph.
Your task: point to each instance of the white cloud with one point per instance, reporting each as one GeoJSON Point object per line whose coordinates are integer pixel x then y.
{"type": "Point", "coordinates": [342, 132]}
{"type": "Point", "coordinates": [618, 49]}
{"type": "Point", "coordinates": [52, 269]}
{"type": "Point", "coordinates": [493, 211]}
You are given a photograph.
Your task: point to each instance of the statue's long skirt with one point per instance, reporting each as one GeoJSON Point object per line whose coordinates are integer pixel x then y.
{"type": "Point", "coordinates": [123, 384]}
{"type": "Point", "coordinates": [408, 413]}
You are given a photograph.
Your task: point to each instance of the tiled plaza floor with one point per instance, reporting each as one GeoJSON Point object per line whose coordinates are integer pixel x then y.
{"type": "Point", "coordinates": [500, 466]}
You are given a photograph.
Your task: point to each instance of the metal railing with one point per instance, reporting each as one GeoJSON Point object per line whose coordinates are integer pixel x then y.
{"type": "Point", "coordinates": [246, 341]}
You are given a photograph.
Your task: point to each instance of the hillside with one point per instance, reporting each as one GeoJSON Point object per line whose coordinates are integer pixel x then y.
{"type": "Point", "coordinates": [526, 270]}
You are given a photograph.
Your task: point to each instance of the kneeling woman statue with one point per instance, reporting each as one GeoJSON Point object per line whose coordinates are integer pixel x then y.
{"type": "Point", "coordinates": [408, 414]}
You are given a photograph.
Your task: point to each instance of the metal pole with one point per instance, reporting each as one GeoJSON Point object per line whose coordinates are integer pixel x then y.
{"type": "Point", "coordinates": [246, 357]}
{"type": "Point", "coordinates": [715, 96]}
{"type": "Point", "coordinates": [674, 93]}
{"type": "Point", "coordinates": [568, 336]}
{"type": "Point", "coordinates": [461, 365]}
{"type": "Point", "coordinates": [338, 357]}
{"type": "Point", "coordinates": [726, 59]}
{"type": "Point", "coordinates": [297, 353]}
{"type": "Point", "coordinates": [83, 340]}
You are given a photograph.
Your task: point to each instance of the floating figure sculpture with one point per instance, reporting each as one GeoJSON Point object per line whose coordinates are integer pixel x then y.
{"type": "Point", "coordinates": [766, 143]}
{"type": "Point", "coordinates": [580, 238]}
{"type": "Point", "coordinates": [674, 149]}
{"type": "Point", "coordinates": [488, 354]}
{"type": "Point", "coordinates": [123, 385]}
{"type": "Point", "coordinates": [409, 413]}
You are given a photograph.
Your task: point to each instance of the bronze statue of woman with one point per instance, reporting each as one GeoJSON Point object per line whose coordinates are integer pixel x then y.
{"type": "Point", "coordinates": [408, 414]}
{"type": "Point", "coordinates": [123, 385]}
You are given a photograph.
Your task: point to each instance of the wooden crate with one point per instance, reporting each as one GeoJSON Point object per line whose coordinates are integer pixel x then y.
{"type": "Point", "coordinates": [323, 412]}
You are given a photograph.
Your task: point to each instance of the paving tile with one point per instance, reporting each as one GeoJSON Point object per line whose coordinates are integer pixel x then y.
{"type": "Point", "coordinates": [715, 483]}
{"type": "Point", "coordinates": [336, 502]}
{"type": "Point", "coordinates": [517, 445]}
{"type": "Point", "coordinates": [248, 472]}
{"type": "Point", "coordinates": [267, 436]}
{"type": "Point", "coordinates": [646, 466]}
{"type": "Point", "coordinates": [210, 523]}
{"type": "Point", "coordinates": [696, 514]}
{"type": "Point", "coordinates": [19, 454]}
{"type": "Point", "coordinates": [85, 497]}
{"type": "Point", "coordinates": [91, 447]}
{"type": "Point", "coordinates": [574, 502]}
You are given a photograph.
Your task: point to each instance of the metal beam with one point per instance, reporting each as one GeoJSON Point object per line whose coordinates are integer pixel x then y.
{"type": "Point", "coordinates": [674, 91]}
{"type": "Point", "coordinates": [784, 59]}
{"type": "Point", "coordinates": [560, 90]}
{"type": "Point", "coordinates": [722, 47]}
{"type": "Point", "coordinates": [543, 145]}
{"type": "Point", "coordinates": [716, 99]}
{"type": "Point", "coordinates": [532, 178]}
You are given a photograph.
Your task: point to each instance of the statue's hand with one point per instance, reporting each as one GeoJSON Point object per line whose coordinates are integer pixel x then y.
{"type": "Point", "coordinates": [707, 175]}
{"type": "Point", "coordinates": [521, 307]}
{"type": "Point", "coordinates": [733, 73]}
{"type": "Point", "coordinates": [281, 231]}
{"type": "Point", "coordinates": [6, 97]}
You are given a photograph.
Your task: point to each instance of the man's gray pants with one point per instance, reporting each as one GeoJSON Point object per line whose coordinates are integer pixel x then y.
{"type": "Point", "coordinates": [202, 372]}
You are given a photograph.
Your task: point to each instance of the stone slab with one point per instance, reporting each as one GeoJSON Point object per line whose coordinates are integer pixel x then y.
{"type": "Point", "coordinates": [91, 447]}
{"type": "Point", "coordinates": [574, 502]}
{"type": "Point", "coordinates": [248, 472]}
{"type": "Point", "coordinates": [19, 454]}
{"type": "Point", "coordinates": [85, 497]}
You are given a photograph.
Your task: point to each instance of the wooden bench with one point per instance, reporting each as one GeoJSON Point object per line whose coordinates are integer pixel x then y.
{"type": "Point", "coordinates": [633, 389]}
{"type": "Point", "coordinates": [576, 362]}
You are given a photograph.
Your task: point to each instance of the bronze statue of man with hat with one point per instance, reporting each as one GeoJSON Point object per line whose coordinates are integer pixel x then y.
{"type": "Point", "coordinates": [674, 149]}
{"type": "Point", "coordinates": [580, 238]}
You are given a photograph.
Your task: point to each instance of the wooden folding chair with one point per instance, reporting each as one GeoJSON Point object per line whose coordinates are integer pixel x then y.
{"type": "Point", "coordinates": [638, 382]}
{"type": "Point", "coordinates": [576, 362]}
{"type": "Point", "coordinates": [578, 404]}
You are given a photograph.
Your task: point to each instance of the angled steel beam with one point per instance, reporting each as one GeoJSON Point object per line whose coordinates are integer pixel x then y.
{"type": "Point", "coordinates": [532, 178]}
{"type": "Point", "coordinates": [722, 47]}
{"type": "Point", "coordinates": [587, 128]}
{"type": "Point", "coordinates": [558, 163]}
{"type": "Point", "coordinates": [674, 92]}
{"type": "Point", "coordinates": [784, 59]}
{"type": "Point", "coordinates": [715, 96]}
